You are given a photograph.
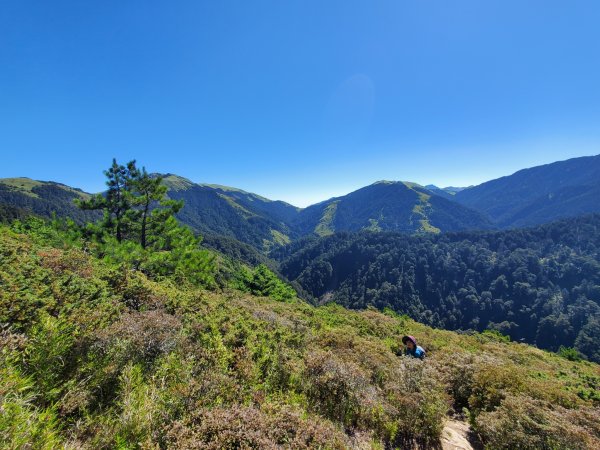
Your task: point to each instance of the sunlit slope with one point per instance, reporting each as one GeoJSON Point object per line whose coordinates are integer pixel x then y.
{"type": "Point", "coordinates": [389, 206]}
{"type": "Point", "coordinates": [43, 198]}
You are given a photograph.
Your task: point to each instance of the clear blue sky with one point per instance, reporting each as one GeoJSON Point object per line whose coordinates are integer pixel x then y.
{"type": "Point", "coordinates": [297, 100]}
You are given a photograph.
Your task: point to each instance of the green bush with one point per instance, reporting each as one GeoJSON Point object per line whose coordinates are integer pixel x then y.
{"type": "Point", "coordinates": [48, 356]}
{"type": "Point", "coordinates": [523, 423]}
{"type": "Point", "coordinates": [23, 424]}
{"type": "Point", "coordinates": [496, 335]}
{"type": "Point", "coordinates": [492, 382]}
{"type": "Point", "coordinates": [569, 353]}
{"type": "Point", "coordinates": [336, 389]}
{"type": "Point", "coordinates": [262, 281]}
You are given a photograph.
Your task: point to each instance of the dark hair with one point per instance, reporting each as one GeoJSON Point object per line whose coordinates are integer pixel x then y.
{"type": "Point", "coordinates": [405, 339]}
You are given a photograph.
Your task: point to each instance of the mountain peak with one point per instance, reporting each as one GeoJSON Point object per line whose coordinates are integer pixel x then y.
{"type": "Point", "coordinates": [385, 182]}
{"type": "Point", "coordinates": [408, 184]}
{"type": "Point", "coordinates": [176, 182]}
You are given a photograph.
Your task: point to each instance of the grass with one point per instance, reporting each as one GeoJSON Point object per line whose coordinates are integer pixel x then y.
{"type": "Point", "coordinates": [325, 225]}
{"type": "Point", "coordinates": [280, 238]}
{"type": "Point", "coordinates": [26, 186]}
{"type": "Point", "coordinates": [177, 183]}
{"type": "Point", "coordinates": [420, 210]}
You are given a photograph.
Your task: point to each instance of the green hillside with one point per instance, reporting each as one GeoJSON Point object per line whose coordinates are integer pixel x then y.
{"type": "Point", "coordinates": [42, 198]}
{"type": "Point", "coordinates": [388, 206]}
{"type": "Point", "coordinates": [265, 224]}
{"type": "Point", "coordinates": [529, 197]}
{"type": "Point", "coordinates": [96, 354]}
{"type": "Point", "coordinates": [233, 213]}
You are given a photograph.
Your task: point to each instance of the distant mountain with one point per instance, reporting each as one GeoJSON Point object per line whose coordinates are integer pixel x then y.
{"type": "Point", "coordinates": [528, 197]}
{"type": "Point", "coordinates": [231, 212]}
{"type": "Point", "coordinates": [391, 206]}
{"type": "Point", "coordinates": [218, 210]}
{"type": "Point", "coordinates": [539, 194]}
{"type": "Point", "coordinates": [263, 223]}
{"type": "Point", "coordinates": [19, 196]}
{"type": "Point", "coordinates": [448, 192]}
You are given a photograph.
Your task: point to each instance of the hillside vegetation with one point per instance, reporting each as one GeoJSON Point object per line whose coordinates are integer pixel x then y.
{"type": "Point", "coordinates": [387, 206]}
{"type": "Point", "coordinates": [21, 195]}
{"type": "Point", "coordinates": [265, 224]}
{"type": "Point", "coordinates": [531, 196]}
{"type": "Point", "coordinates": [232, 213]}
{"type": "Point", "coordinates": [539, 284]}
{"type": "Point", "coordinates": [99, 354]}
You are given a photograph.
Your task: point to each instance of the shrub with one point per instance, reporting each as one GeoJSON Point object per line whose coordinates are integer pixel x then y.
{"type": "Point", "coordinates": [419, 402]}
{"type": "Point", "coordinates": [523, 423]}
{"type": "Point", "coordinates": [496, 335]}
{"type": "Point", "coordinates": [249, 427]}
{"type": "Point", "coordinates": [22, 423]}
{"type": "Point", "coordinates": [569, 353]}
{"type": "Point", "coordinates": [492, 382]}
{"type": "Point", "coordinates": [72, 260]}
{"type": "Point", "coordinates": [336, 389]}
{"type": "Point", "coordinates": [139, 337]}
{"type": "Point", "coordinates": [262, 281]}
{"type": "Point", "coordinates": [458, 373]}
{"type": "Point", "coordinates": [47, 355]}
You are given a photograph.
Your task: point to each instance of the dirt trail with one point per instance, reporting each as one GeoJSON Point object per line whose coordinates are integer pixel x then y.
{"type": "Point", "coordinates": [455, 436]}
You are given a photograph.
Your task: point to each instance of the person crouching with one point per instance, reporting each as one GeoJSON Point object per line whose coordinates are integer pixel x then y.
{"type": "Point", "coordinates": [411, 347]}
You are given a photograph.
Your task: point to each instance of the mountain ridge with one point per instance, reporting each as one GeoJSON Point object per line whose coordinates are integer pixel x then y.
{"type": "Point", "coordinates": [513, 200]}
{"type": "Point", "coordinates": [530, 196]}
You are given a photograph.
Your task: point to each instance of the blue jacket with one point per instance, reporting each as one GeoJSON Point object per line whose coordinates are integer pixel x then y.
{"type": "Point", "coordinates": [418, 352]}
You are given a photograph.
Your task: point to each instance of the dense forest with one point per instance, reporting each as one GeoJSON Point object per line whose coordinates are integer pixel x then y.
{"type": "Point", "coordinates": [540, 285]}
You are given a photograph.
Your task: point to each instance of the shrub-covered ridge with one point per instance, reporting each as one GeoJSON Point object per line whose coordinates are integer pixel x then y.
{"type": "Point", "coordinates": [98, 355]}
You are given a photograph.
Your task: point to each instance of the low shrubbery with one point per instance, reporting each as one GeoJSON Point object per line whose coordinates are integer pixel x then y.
{"type": "Point", "coordinates": [262, 281]}
{"type": "Point", "coordinates": [523, 423]}
{"type": "Point", "coordinates": [271, 427]}
{"type": "Point", "coordinates": [99, 355]}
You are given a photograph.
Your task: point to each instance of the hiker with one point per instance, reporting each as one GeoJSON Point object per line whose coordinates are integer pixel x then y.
{"type": "Point", "coordinates": [412, 349]}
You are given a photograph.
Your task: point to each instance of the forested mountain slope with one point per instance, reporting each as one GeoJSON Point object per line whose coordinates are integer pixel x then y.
{"type": "Point", "coordinates": [391, 206]}
{"type": "Point", "coordinates": [539, 284]}
{"type": "Point", "coordinates": [539, 194]}
{"type": "Point", "coordinates": [43, 198]}
{"type": "Point", "coordinates": [230, 212]}
{"type": "Point", "coordinates": [263, 223]}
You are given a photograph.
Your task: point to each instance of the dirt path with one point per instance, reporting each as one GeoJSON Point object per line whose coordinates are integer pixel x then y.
{"type": "Point", "coordinates": [455, 436]}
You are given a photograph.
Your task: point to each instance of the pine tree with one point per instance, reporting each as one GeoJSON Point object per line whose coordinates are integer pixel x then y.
{"type": "Point", "coordinates": [152, 208]}
{"type": "Point", "coordinates": [117, 202]}
{"type": "Point", "coordinates": [139, 214]}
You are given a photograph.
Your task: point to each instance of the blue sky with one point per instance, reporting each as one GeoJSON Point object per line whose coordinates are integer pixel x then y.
{"type": "Point", "coordinates": [297, 100]}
